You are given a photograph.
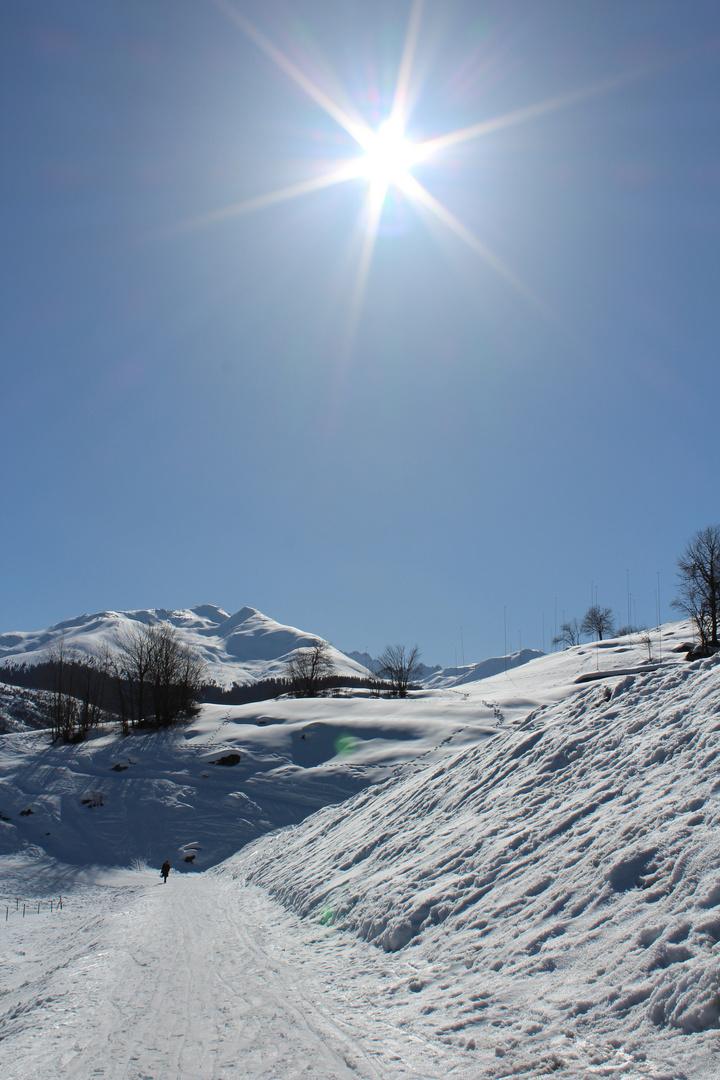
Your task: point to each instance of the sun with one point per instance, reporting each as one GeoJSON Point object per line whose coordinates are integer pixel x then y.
{"type": "Point", "coordinates": [388, 156]}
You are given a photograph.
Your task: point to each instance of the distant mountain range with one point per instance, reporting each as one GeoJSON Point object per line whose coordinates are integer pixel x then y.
{"type": "Point", "coordinates": [457, 676]}
{"type": "Point", "coordinates": [245, 647]}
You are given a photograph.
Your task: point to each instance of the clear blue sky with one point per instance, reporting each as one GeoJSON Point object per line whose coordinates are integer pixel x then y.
{"type": "Point", "coordinates": [190, 413]}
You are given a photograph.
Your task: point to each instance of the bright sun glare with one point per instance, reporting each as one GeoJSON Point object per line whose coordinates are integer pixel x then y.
{"type": "Point", "coordinates": [388, 156]}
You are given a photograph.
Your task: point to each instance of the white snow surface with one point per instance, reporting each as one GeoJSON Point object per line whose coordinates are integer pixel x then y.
{"type": "Point", "coordinates": [243, 647]}
{"type": "Point", "coordinates": [525, 882]}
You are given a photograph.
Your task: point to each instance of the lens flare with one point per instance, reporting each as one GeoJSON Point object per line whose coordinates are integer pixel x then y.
{"type": "Point", "coordinates": [345, 745]}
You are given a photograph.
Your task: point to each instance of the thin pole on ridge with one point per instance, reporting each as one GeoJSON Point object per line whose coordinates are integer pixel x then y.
{"type": "Point", "coordinates": [658, 617]}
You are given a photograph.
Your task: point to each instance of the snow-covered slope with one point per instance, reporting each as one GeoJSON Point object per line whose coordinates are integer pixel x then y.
{"type": "Point", "coordinates": [242, 648]}
{"type": "Point", "coordinates": [165, 791]}
{"type": "Point", "coordinates": [557, 886]}
{"type": "Point", "coordinates": [523, 877]}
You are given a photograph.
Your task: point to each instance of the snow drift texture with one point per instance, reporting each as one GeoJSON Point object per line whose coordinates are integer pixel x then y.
{"type": "Point", "coordinates": [568, 872]}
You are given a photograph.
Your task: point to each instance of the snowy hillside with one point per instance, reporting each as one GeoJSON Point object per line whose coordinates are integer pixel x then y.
{"type": "Point", "coordinates": [557, 890]}
{"type": "Point", "coordinates": [176, 790]}
{"type": "Point", "coordinates": [523, 879]}
{"type": "Point", "coordinates": [242, 648]}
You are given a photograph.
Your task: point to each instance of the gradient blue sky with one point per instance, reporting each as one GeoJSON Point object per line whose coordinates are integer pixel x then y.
{"type": "Point", "coordinates": [183, 420]}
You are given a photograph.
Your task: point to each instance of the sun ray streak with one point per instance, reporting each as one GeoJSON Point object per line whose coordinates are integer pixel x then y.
{"type": "Point", "coordinates": [358, 129]}
{"type": "Point", "coordinates": [414, 190]}
{"type": "Point", "coordinates": [399, 108]}
{"type": "Point", "coordinates": [348, 172]}
{"type": "Point", "coordinates": [376, 200]}
{"type": "Point", "coordinates": [426, 149]}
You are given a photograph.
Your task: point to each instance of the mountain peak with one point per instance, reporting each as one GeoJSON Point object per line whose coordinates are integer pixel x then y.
{"type": "Point", "coordinates": [210, 612]}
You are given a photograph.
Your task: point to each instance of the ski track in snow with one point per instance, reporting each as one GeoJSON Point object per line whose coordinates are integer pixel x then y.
{"type": "Point", "coordinates": [196, 979]}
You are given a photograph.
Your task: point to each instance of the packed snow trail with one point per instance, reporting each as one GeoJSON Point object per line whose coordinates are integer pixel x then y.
{"type": "Point", "coordinates": [195, 980]}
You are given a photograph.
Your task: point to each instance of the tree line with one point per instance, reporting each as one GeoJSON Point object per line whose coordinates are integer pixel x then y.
{"type": "Point", "coordinates": [153, 679]}
{"type": "Point", "coordinates": [311, 669]}
{"type": "Point", "coordinates": [264, 689]}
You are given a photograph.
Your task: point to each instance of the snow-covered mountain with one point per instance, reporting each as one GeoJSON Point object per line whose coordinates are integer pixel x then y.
{"type": "Point", "coordinates": [438, 677]}
{"type": "Point", "coordinates": [457, 676]}
{"type": "Point", "coordinates": [242, 648]}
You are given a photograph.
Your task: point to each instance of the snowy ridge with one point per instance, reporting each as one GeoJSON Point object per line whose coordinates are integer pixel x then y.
{"type": "Point", "coordinates": [485, 669]}
{"type": "Point", "coordinates": [244, 647]}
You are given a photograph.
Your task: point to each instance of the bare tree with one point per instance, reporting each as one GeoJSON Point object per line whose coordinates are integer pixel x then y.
{"type": "Point", "coordinates": [75, 700]}
{"type": "Point", "coordinates": [699, 583]}
{"type": "Point", "coordinates": [399, 666]}
{"type": "Point", "coordinates": [158, 677]}
{"type": "Point", "coordinates": [176, 674]}
{"type": "Point", "coordinates": [92, 678]}
{"type": "Point", "coordinates": [569, 634]}
{"type": "Point", "coordinates": [597, 620]}
{"type": "Point", "coordinates": [61, 701]}
{"type": "Point", "coordinates": [308, 668]}
{"type": "Point", "coordinates": [133, 673]}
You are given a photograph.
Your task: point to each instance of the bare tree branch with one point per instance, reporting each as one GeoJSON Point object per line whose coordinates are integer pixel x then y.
{"type": "Point", "coordinates": [307, 669]}
{"type": "Point", "coordinates": [400, 666]}
{"type": "Point", "coordinates": [699, 583]}
{"type": "Point", "coordinates": [597, 620]}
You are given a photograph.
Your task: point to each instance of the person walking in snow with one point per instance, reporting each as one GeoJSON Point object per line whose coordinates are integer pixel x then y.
{"type": "Point", "coordinates": [165, 870]}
